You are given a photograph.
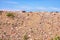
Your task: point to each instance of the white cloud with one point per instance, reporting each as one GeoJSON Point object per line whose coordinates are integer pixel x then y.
{"type": "Point", "coordinates": [54, 9]}
{"type": "Point", "coordinates": [11, 2]}
{"type": "Point", "coordinates": [25, 7]}
{"type": "Point", "coordinates": [30, 8]}
{"type": "Point", "coordinates": [33, 8]}
{"type": "Point", "coordinates": [48, 8]}
{"type": "Point", "coordinates": [38, 8]}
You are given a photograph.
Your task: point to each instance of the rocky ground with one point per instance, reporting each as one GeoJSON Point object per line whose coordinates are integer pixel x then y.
{"type": "Point", "coordinates": [29, 25]}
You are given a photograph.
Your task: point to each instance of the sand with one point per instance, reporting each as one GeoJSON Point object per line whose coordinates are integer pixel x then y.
{"type": "Point", "coordinates": [35, 25]}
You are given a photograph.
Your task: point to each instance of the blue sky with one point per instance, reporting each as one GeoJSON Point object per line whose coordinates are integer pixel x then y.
{"type": "Point", "coordinates": [30, 5]}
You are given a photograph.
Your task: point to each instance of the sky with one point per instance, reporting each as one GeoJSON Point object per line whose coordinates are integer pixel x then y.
{"type": "Point", "coordinates": [30, 5]}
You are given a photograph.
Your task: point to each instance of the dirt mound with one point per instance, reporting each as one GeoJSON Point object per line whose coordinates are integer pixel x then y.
{"type": "Point", "coordinates": [29, 25]}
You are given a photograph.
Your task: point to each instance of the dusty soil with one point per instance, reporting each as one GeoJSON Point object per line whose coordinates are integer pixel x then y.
{"type": "Point", "coordinates": [36, 25]}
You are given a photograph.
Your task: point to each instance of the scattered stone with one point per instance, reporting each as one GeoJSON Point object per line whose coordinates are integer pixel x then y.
{"type": "Point", "coordinates": [38, 25]}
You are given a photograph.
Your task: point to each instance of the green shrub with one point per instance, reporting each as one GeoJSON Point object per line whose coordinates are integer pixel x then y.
{"type": "Point", "coordinates": [57, 12]}
{"type": "Point", "coordinates": [23, 11]}
{"type": "Point", "coordinates": [1, 12]}
{"type": "Point", "coordinates": [10, 14]}
{"type": "Point", "coordinates": [0, 39]}
{"type": "Point", "coordinates": [25, 37]}
{"type": "Point", "coordinates": [56, 38]}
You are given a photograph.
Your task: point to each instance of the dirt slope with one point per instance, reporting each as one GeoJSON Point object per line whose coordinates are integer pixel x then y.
{"type": "Point", "coordinates": [29, 25]}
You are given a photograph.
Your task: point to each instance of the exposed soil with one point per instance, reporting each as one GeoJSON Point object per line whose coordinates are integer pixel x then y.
{"type": "Point", "coordinates": [35, 25]}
